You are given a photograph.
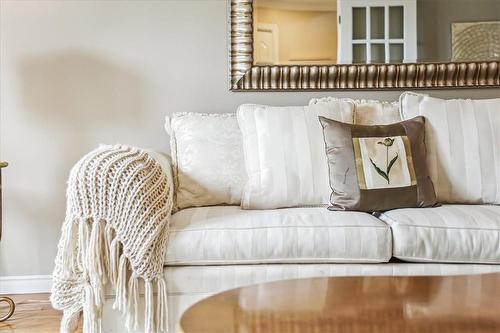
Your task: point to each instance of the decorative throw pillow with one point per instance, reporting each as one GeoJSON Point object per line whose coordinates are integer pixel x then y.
{"type": "Point", "coordinates": [372, 112]}
{"type": "Point", "coordinates": [369, 112]}
{"type": "Point", "coordinates": [377, 168]}
{"type": "Point", "coordinates": [284, 154]}
{"type": "Point", "coordinates": [207, 159]}
{"type": "Point", "coordinates": [408, 104]}
{"type": "Point", "coordinates": [463, 140]}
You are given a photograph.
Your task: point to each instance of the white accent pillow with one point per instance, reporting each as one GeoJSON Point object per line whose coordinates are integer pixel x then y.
{"type": "Point", "coordinates": [369, 112]}
{"type": "Point", "coordinates": [285, 154]}
{"type": "Point", "coordinates": [463, 142]}
{"type": "Point", "coordinates": [207, 159]}
{"type": "Point", "coordinates": [409, 101]}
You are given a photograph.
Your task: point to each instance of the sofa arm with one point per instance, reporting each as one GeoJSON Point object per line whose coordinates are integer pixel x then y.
{"type": "Point", "coordinates": [163, 159]}
{"type": "Point", "coordinates": [103, 170]}
{"type": "Point", "coordinates": [119, 201]}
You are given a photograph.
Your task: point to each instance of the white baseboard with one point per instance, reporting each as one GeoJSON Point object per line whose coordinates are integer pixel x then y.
{"type": "Point", "coordinates": [25, 284]}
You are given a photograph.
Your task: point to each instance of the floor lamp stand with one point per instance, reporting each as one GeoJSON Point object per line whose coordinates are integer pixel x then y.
{"type": "Point", "coordinates": [5, 299]}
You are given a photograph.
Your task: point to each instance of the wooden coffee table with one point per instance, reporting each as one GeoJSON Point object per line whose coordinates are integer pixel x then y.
{"type": "Point", "coordinates": [468, 303]}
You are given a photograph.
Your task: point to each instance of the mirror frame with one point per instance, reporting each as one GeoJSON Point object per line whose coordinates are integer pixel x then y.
{"type": "Point", "coordinates": [245, 76]}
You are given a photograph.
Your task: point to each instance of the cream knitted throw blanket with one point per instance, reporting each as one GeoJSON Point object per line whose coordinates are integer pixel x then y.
{"type": "Point", "coordinates": [119, 201]}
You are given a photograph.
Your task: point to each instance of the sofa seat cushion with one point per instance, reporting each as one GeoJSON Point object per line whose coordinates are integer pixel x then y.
{"type": "Point", "coordinates": [231, 235]}
{"type": "Point", "coordinates": [450, 233]}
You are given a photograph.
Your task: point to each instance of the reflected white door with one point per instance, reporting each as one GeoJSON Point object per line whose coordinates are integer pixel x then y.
{"type": "Point", "coordinates": [266, 44]}
{"type": "Point", "coordinates": [377, 31]}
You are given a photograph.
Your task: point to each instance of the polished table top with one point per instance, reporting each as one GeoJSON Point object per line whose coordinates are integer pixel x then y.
{"type": "Point", "coordinates": [468, 303]}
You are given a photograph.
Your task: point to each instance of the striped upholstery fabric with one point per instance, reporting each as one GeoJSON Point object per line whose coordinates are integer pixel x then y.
{"type": "Point", "coordinates": [231, 235]}
{"type": "Point", "coordinates": [369, 111]}
{"type": "Point", "coordinates": [189, 284]}
{"type": "Point", "coordinates": [463, 142]}
{"type": "Point", "coordinates": [212, 279]}
{"type": "Point", "coordinates": [372, 112]}
{"type": "Point", "coordinates": [450, 233]}
{"type": "Point", "coordinates": [285, 154]}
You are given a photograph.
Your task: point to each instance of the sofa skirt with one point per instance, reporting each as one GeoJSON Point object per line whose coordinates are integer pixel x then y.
{"type": "Point", "coordinates": [190, 284]}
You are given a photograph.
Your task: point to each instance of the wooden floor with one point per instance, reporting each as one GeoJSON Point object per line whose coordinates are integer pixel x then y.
{"type": "Point", "coordinates": [33, 314]}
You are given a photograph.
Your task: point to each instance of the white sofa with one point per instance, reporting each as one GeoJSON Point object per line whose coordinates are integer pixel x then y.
{"type": "Point", "coordinates": [220, 247]}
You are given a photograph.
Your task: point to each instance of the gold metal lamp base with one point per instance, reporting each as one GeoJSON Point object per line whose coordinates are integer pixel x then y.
{"type": "Point", "coordinates": [5, 299]}
{"type": "Point", "coordinates": [12, 307]}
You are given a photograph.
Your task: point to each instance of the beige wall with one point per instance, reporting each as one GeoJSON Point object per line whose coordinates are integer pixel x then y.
{"type": "Point", "coordinates": [434, 40]}
{"type": "Point", "coordinates": [303, 34]}
{"type": "Point", "coordinates": [74, 74]}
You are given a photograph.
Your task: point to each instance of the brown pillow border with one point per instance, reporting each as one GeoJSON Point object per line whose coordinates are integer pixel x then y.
{"type": "Point", "coordinates": [344, 171]}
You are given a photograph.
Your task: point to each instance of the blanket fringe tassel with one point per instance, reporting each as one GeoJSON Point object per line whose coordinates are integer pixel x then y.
{"type": "Point", "coordinates": [100, 259]}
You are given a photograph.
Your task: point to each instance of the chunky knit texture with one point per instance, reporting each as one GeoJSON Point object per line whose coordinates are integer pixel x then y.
{"type": "Point", "coordinates": [119, 201]}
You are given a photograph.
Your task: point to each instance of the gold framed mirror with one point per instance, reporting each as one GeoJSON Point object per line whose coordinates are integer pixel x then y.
{"type": "Point", "coordinates": [372, 44]}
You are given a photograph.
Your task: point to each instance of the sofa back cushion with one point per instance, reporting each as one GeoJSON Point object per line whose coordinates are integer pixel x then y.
{"type": "Point", "coordinates": [369, 112]}
{"type": "Point", "coordinates": [285, 155]}
{"type": "Point", "coordinates": [207, 159]}
{"type": "Point", "coordinates": [463, 142]}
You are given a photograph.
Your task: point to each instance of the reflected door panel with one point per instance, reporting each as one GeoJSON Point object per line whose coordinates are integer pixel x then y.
{"type": "Point", "coordinates": [266, 44]}
{"type": "Point", "coordinates": [377, 31]}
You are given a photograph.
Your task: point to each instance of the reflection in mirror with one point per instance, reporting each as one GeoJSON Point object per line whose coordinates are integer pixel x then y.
{"type": "Point", "coordinates": [295, 32]}
{"type": "Point", "coordinates": [312, 32]}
